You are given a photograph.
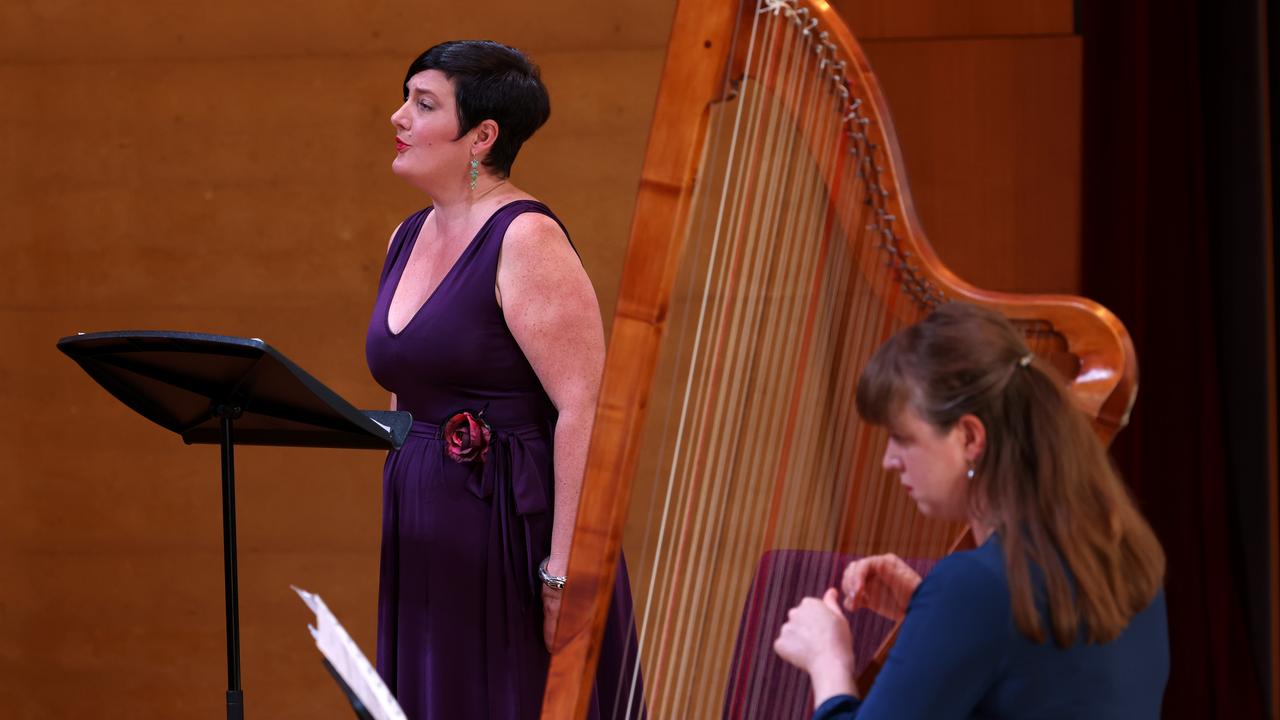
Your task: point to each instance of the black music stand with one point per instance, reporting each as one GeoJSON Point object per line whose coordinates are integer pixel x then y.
{"type": "Point", "coordinates": [205, 386]}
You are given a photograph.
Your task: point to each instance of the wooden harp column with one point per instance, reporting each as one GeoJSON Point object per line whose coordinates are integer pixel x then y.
{"type": "Point", "coordinates": [774, 247]}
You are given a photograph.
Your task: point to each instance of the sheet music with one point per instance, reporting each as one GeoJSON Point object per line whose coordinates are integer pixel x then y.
{"type": "Point", "coordinates": [351, 665]}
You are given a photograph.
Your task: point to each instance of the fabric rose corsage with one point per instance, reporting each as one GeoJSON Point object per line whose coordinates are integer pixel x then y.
{"type": "Point", "coordinates": [466, 437]}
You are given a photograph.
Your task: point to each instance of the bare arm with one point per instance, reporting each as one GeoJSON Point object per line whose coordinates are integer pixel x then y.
{"type": "Point", "coordinates": [552, 311]}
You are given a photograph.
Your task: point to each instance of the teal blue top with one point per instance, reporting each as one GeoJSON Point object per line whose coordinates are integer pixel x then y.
{"type": "Point", "coordinates": [960, 655]}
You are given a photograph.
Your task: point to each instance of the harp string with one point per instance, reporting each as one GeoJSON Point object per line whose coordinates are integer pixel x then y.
{"type": "Point", "coordinates": [801, 509]}
{"type": "Point", "coordinates": [777, 196]}
{"type": "Point", "coordinates": [864, 333]}
{"type": "Point", "coordinates": [646, 626]}
{"type": "Point", "coordinates": [846, 431]}
{"type": "Point", "coordinates": [701, 471]}
{"type": "Point", "coordinates": [805, 192]}
{"type": "Point", "coordinates": [844, 223]}
{"type": "Point", "coordinates": [773, 303]}
{"type": "Point", "coordinates": [695, 230]}
{"type": "Point", "coordinates": [732, 522]}
{"type": "Point", "coordinates": [780, 230]}
{"type": "Point", "coordinates": [790, 503]}
{"type": "Point", "coordinates": [869, 510]}
{"type": "Point", "coordinates": [738, 178]}
{"type": "Point", "coordinates": [721, 379]}
{"type": "Point", "coordinates": [801, 412]}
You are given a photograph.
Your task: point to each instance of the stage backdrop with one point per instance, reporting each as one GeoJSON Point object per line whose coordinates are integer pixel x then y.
{"type": "Point", "coordinates": [224, 168]}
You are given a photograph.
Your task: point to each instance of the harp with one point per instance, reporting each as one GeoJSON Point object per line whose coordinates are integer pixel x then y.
{"type": "Point", "coordinates": [774, 246]}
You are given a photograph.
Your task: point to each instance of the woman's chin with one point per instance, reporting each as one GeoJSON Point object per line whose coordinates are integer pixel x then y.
{"type": "Point", "coordinates": [405, 172]}
{"type": "Point", "coordinates": [933, 511]}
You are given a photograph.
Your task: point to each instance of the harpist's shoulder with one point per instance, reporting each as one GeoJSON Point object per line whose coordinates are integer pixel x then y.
{"type": "Point", "coordinates": [971, 576]}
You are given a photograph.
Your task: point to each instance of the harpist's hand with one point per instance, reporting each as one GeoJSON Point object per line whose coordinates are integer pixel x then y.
{"type": "Point", "coordinates": [550, 616]}
{"type": "Point", "coordinates": [880, 583]}
{"type": "Point", "coordinates": [816, 639]}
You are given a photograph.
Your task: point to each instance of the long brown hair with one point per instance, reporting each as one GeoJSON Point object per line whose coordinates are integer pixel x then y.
{"type": "Point", "coordinates": [1044, 482]}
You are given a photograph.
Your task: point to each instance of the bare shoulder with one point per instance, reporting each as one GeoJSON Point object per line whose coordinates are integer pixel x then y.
{"type": "Point", "coordinates": [537, 234]}
{"type": "Point", "coordinates": [536, 251]}
{"type": "Point", "coordinates": [537, 261]}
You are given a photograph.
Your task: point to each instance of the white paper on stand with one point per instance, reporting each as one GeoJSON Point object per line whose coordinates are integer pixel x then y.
{"type": "Point", "coordinates": [351, 664]}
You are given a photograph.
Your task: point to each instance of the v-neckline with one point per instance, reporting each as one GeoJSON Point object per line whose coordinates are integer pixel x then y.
{"type": "Point", "coordinates": [413, 243]}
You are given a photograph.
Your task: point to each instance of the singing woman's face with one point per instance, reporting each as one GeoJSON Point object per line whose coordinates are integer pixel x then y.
{"type": "Point", "coordinates": [428, 149]}
{"type": "Point", "coordinates": [930, 463]}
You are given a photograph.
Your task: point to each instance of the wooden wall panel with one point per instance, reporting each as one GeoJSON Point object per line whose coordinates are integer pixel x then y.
{"type": "Point", "coordinates": [878, 19]}
{"type": "Point", "coordinates": [990, 131]}
{"type": "Point", "coordinates": [158, 31]}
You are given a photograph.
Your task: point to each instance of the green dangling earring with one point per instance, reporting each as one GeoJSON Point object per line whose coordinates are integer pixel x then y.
{"type": "Point", "coordinates": [475, 172]}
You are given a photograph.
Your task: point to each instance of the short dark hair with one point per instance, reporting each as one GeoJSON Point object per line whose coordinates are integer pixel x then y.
{"type": "Point", "coordinates": [490, 82]}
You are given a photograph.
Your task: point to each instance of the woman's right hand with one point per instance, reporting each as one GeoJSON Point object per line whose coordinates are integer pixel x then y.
{"type": "Point", "coordinates": [881, 583]}
{"type": "Point", "coordinates": [816, 639]}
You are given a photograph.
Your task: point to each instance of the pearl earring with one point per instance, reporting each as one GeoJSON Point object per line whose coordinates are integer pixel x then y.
{"type": "Point", "coordinates": [970, 473]}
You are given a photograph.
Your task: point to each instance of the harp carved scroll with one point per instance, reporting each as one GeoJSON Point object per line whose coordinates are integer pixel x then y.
{"type": "Point", "coordinates": [774, 247]}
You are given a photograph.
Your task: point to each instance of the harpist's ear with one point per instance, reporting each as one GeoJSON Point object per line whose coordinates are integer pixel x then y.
{"type": "Point", "coordinates": [974, 436]}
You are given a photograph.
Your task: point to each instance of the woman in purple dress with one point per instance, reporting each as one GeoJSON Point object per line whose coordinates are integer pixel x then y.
{"type": "Point", "coordinates": [487, 330]}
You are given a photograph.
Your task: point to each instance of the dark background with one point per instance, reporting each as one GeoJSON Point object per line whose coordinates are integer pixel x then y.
{"type": "Point", "coordinates": [1177, 240]}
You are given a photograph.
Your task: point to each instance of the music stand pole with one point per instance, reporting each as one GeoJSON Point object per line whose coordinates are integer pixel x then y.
{"type": "Point", "coordinates": [235, 695]}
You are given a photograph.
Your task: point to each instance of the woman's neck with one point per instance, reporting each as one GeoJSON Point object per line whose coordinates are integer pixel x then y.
{"type": "Point", "coordinates": [459, 207]}
{"type": "Point", "coordinates": [980, 531]}
{"type": "Point", "coordinates": [461, 195]}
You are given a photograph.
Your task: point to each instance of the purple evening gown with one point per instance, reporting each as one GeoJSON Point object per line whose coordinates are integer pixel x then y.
{"type": "Point", "coordinates": [459, 611]}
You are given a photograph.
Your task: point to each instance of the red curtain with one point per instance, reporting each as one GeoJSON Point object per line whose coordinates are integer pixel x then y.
{"type": "Point", "coordinates": [1153, 232]}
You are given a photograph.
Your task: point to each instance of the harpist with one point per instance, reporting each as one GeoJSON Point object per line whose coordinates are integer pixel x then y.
{"type": "Point", "coordinates": [1059, 612]}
